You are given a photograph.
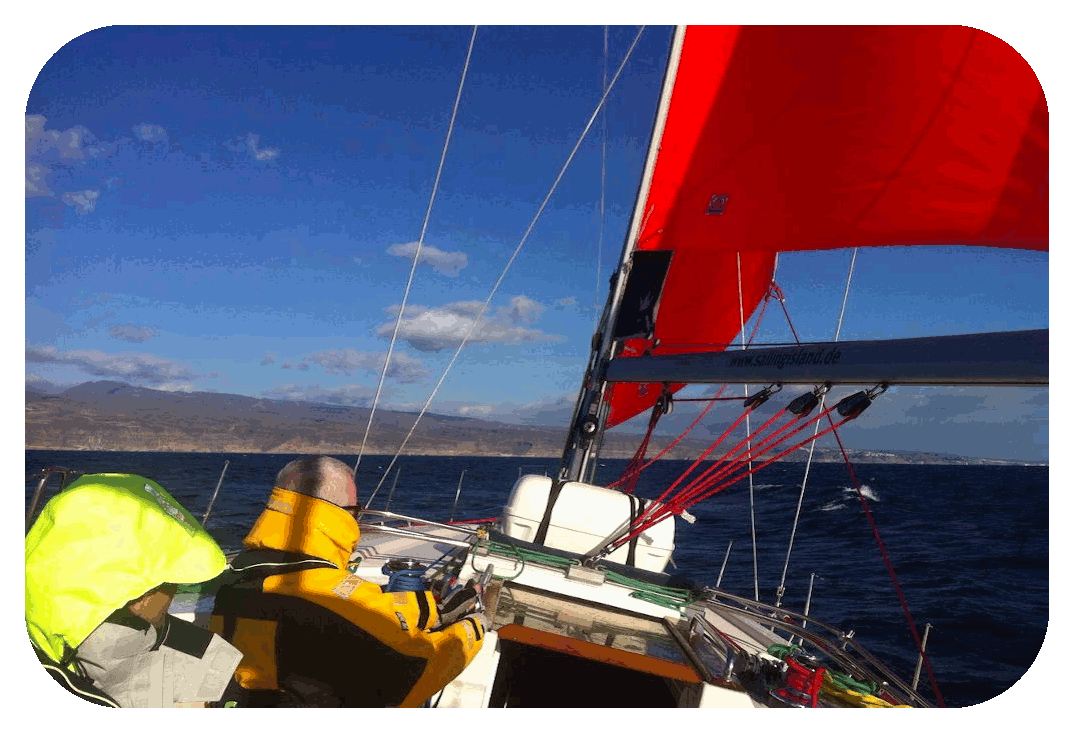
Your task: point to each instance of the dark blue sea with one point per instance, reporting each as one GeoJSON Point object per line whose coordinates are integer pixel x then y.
{"type": "Point", "coordinates": [969, 543]}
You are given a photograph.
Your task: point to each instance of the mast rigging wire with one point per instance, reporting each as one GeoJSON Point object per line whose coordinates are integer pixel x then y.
{"type": "Point", "coordinates": [514, 255]}
{"type": "Point", "coordinates": [746, 393]}
{"type": "Point", "coordinates": [603, 168]}
{"type": "Point", "coordinates": [417, 254]}
{"type": "Point", "coordinates": [781, 589]}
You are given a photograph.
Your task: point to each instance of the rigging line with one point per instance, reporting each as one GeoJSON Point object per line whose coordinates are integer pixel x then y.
{"type": "Point", "coordinates": [514, 255]}
{"type": "Point", "coordinates": [711, 400]}
{"type": "Point", "coordinates": [417, 252]}
{"type": "Point", "coordinates": [746, 393]}
{"type": "Point", "coordinates": [603, 168]}
{"type": "Point", "coordinates": [809, 459]}
{"type": "Point", "coordinates": [890, 567]}
{"type": "Point", "coordinates": [668, 509]}
{"type": "Point", "coordinates": [678, 504]}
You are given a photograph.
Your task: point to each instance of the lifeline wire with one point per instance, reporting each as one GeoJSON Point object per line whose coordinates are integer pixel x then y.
{"type": "Point", "coordinates": [809, 460]}
{"type": "Point", "coordinates": [417, 255]}
{"type": "Point", "coordinates": [514, 255]}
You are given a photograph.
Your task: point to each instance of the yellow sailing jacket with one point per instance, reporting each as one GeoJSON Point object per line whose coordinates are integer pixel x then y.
{"type": "Point", "coordinates": [319, 635]}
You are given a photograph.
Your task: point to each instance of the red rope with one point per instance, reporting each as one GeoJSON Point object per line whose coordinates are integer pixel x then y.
{"type": "Point", "coordinates": [655, 515]}
{"type": "Point", "coordinates": [891, 569]}
{"type": "Point", "coordinates": [639, 455]}
{"type": "Point", "coordinates": [652, 506]}
{"type": "Point", "coordinates": [876, 532]}
{"type": "Point", "coordinates": [668, 509]}
{"type": "Point", "coordinates": [722, 465]}
{"type": "Point", "coordinates": [632, 472]}
{"type": "Point", "coordinates": [677, 440]}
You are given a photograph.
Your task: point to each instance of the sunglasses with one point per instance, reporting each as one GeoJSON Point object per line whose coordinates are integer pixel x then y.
{"type": "Point", "coordinates": [354, 511]}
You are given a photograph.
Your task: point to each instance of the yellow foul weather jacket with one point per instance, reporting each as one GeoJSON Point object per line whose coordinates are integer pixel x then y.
{"type": "Point", "coordinates": [314, 634]}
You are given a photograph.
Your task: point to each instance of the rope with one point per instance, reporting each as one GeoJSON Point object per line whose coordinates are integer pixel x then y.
{"type": "Point", "coordinates": [510, 261]}
{"type": "Point", "coordinates": [651, 592]}
{"type": "Point", "coordinates": [809, 459]}
{"type": "Point", "coordinates": [891, 569]}
{"type": "Point", "coordinates": [684, 433]}
{"type": "Point", "coordinates": [639, 455]}
{"type": "Point", "coordinates": [417, 255]}
{"type": "Point", "coordinates": [630, 475]}
{"type": "Point", "coordinates": [679, 505]}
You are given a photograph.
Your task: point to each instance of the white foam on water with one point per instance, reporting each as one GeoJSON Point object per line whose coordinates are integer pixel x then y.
{"type": "Point", "coordinates": [866, 490]}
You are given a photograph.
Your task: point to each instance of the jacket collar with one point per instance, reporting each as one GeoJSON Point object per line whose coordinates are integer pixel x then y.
{"type": "Point", "coordinates": [294, 522]}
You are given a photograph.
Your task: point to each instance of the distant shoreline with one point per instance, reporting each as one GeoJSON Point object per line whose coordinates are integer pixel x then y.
{"type": "Point", "coordinates": [113, 416]}
{"type": "Point", "coordinates": [884, 459]}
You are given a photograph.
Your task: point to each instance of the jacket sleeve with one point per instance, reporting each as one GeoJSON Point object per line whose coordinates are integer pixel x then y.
{"type": "Point", "coordinates": [402, 621]}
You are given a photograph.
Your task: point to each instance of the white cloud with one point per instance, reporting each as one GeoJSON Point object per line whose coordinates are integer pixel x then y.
{"type": "Point", "coordinates": [562, 303]}
{"type": "Point", "coordinates": [176, 387]}
{"type": "Point", "coordinates": [248, 145]}
{"type": "Point", "coordinates": [291, 365]}
{"type": "Point", "coordinates": [83, 201]}
{"type": "Point", "coordinates": [37, 176]}
{"type": "Point", "coordinates": [72, 145]}
{"type": "Point", "coordinates": [441, 327]}
{"type": "Point", "coordinates": [269, 358]}
{"type": "Point", "coordinates": [149, 132]}
{"type": "Point", "coordinates": [524, 310]}
{"type": "Point", "coordinates": [404, 368]}
{"type": "Point", "coordinates": [136, 367]}
{"type": "Point", "coordinates": [553, 411]}
{"type": "Point", "coordinates": [134, 334]}
{"type": "Point", "coordinates": [480, 410]}
{"type": "Point", "coordinates": [350, 394]}
{"type": "Point", "coordinates": [446, 263]}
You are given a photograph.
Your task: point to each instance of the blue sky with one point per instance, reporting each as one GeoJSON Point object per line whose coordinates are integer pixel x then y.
{"type": "Point", "coordinates": [234, 209]}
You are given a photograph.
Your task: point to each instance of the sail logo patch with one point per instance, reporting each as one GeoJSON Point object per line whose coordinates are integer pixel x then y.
{"type": "Point", "coordinates": [717, 204]}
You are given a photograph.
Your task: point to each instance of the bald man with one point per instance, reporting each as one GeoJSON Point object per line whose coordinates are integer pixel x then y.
{"type": "Point", "coordinates": [313, 634]}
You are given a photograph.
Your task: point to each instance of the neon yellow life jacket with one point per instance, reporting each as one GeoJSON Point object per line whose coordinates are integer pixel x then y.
{"type": "Point", "coordinates": [102, 542]}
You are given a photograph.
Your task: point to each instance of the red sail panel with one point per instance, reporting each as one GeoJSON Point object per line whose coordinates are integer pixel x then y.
{"type": "Point", "coordinates": [812, 137]}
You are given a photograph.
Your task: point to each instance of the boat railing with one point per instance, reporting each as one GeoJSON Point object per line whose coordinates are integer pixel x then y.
{"type": "Point", "coordinates": [838, 645]}
{"type": "Point", "coordinates": [414, 527]}
{"type": "Point", "coordinates": [44, 475]}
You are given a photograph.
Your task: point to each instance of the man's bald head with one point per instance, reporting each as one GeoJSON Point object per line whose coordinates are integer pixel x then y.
{"type": "Point", "coordinates": [320, 477]}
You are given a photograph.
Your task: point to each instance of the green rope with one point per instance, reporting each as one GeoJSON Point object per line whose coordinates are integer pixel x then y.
{"type": "Point", "coordinates": [658, 599]}
{"type": "Point", "coordinates": [521, 554]}
{"type": "Point", "coordinates": [780, 651]}
{"type": "Point", "coordinates": [845, 681]}
{"type": "Point", "coordinates": [674, 598]}
{"type": "Point", "coordinates": [849, 683]}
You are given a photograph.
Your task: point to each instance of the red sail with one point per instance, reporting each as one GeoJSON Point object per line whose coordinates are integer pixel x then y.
{"type": "Point", "coordinates": [812, 137]}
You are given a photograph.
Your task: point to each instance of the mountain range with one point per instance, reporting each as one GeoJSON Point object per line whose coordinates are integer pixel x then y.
{"type": "Point", "coordinates": [115, 416]}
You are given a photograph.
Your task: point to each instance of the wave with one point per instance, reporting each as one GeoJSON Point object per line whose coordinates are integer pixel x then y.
{"type": "Point", "coordinates": [832, 506]}
{"type": "Point", "coordinates": [866, 490]}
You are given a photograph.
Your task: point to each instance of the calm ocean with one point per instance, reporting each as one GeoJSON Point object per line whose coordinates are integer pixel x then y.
{"type": "Point", "coordinates": [969, 543]}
